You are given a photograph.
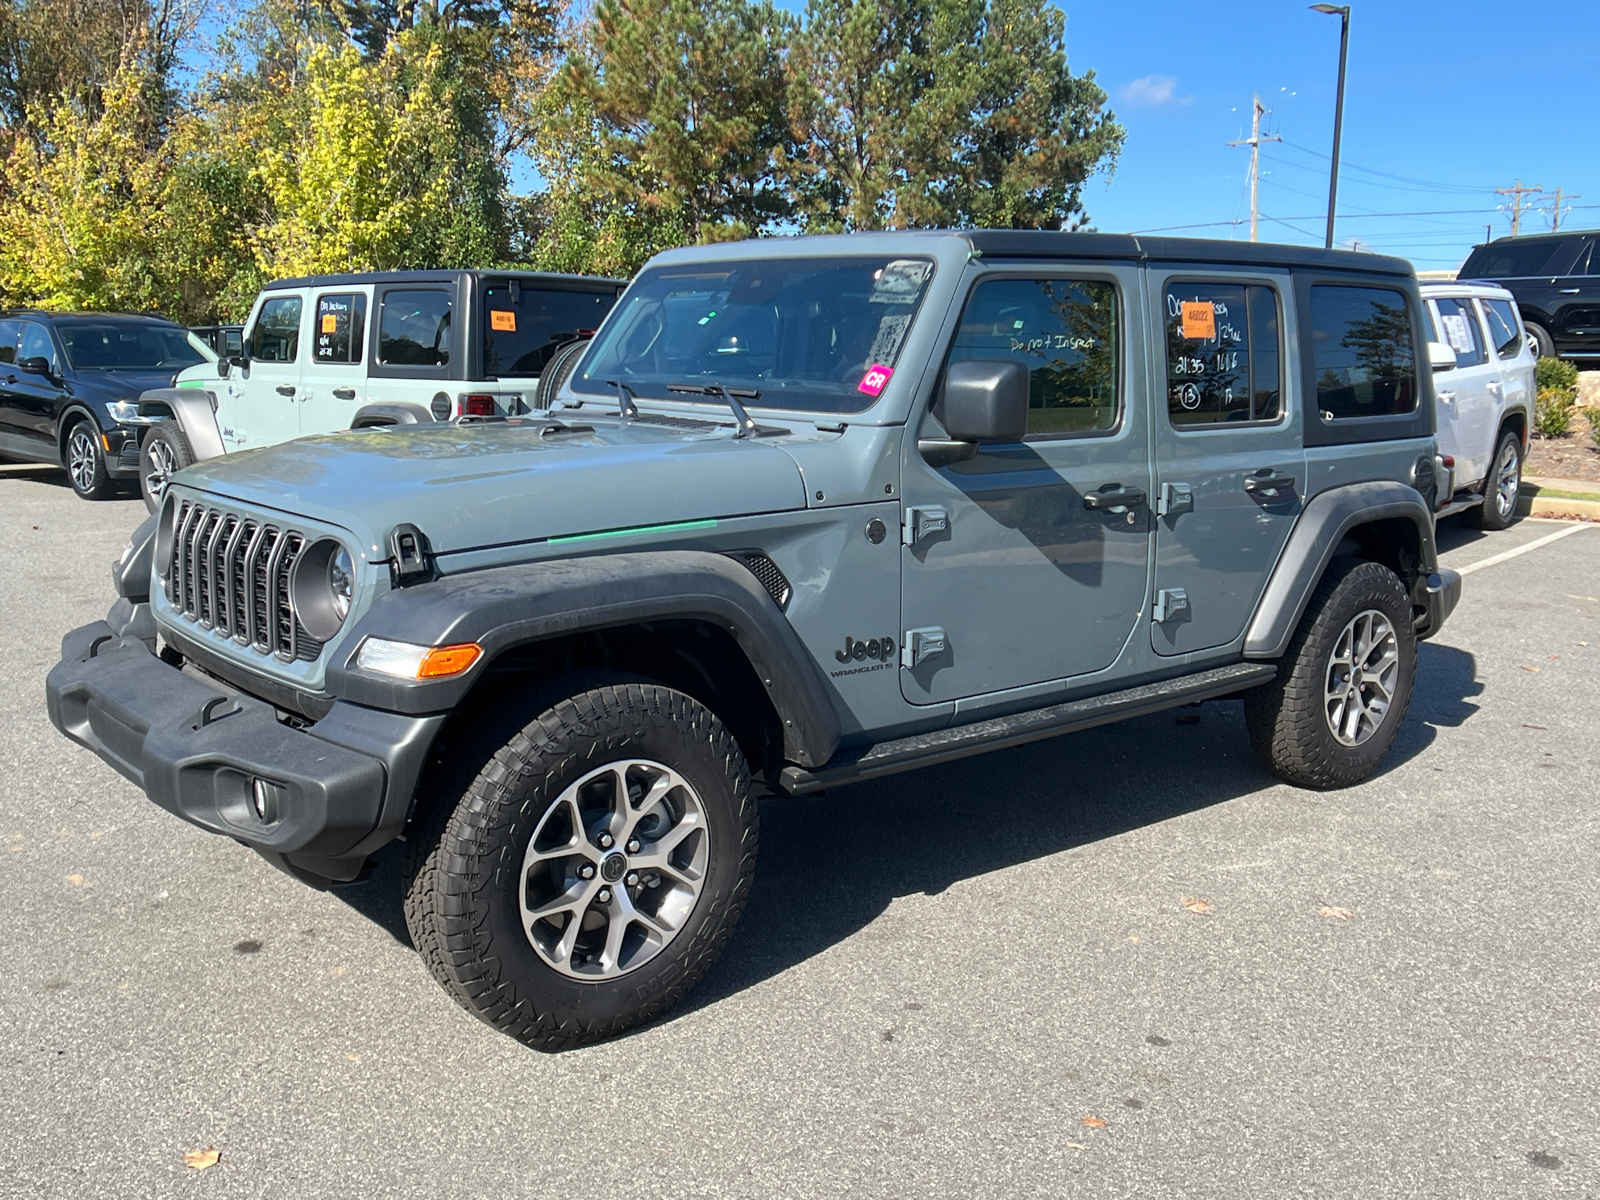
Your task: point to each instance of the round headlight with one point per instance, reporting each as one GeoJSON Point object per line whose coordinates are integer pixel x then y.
{"type": "Point", "coordinates": [321, 587]}
{"type": "Point", "coordinates": [341, 581]}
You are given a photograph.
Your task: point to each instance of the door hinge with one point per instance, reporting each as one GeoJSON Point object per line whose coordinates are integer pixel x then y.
{"type": "Point", "coordinates": [1171, 603]}
{"type": "Point", "coordinates": [923, 521]}
{"type": "Point", "coordinates": [919, 645]}
{"type": "Point", "coordinates": [1175, 498]}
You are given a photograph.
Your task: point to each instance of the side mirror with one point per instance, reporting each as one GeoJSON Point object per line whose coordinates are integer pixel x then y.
{"type": "Point", "coordinates": [34, 365]}
{"type": "Point", "coordinates": [1441, 357]}
{"type": "Point", "coordinates": [986, 401]}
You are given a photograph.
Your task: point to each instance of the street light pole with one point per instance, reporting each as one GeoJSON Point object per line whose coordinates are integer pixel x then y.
{"type": "Point", "coordinates": [1343, 10]}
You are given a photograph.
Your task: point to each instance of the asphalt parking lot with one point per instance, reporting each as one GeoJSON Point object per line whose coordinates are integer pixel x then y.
{"type": "Point", "coordinates": [978, 980]}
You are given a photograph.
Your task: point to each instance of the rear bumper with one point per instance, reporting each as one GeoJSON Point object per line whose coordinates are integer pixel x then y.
{"type": "Point", "coordinates": [1439, 595]}
{"type": "Point", "coordinates": [334, 792]}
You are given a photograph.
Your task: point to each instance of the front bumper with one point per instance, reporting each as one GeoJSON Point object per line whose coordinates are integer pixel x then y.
{"type": "Point", "coordinates": [1438, 594]}
{"type": "Point", "coordinates": [336, 792]}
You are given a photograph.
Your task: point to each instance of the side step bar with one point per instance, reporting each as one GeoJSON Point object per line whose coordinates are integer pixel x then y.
{"type": "Point", "coordinates": [1460, 502]}
{"type": "Point", "coordinates": [999, 733]}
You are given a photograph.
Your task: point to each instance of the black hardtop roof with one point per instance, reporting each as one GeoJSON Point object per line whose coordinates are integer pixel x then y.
{"type": "Point", "coordinates": [444, 275]}
{"type": "Point", "coordinates": [42, 314]}
{"type": "Point", "coordinates": [1540, 237]}
{"type": "Point", "coordinates": [1028, 243]}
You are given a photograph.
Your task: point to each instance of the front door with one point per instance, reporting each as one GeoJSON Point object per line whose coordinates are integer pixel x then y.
{"type": "Point", "coordinates": [1469, 395]}
{"type": "Point", "coordinates": [334, 384]}
{"type": "Point", "coordinates": [262, 405]}
{"type": "Point", "coordinates": [1230, 471]}
{"type": "Point", "coordinates": [1029, 562]}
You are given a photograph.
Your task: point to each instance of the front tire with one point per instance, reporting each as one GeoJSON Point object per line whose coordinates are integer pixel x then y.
{"type": "Point", "coordinates": [590, 873]}
{"type": "Point", "coordinates": [86, 463]}
{"type": "Point", "coordinates": [165, 451]}
{"type": "Point", "coordinates": [1540, 341]}
{"type": "Point", "coordinates": [1344, 684]}
{"type": "Point", "coordinates": [1502, 488]}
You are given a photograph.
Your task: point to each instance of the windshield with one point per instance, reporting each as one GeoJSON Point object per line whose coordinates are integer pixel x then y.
{"type": "Point", "coordinates": [131, 346]}
{"type": "Point", "coordinates": [820, 334]}
{"type": "Point", "coordinates": [525, 326]}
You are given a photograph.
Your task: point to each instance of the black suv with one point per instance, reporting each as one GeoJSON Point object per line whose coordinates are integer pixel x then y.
{"type": "Point", "coordinates": [1556, 280]}
{"type": "Point", "coordinates": [69, 381]}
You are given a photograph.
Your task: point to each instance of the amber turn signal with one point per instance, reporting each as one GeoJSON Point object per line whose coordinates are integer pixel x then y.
{"type": "Point", "coordinates": [448, 660]}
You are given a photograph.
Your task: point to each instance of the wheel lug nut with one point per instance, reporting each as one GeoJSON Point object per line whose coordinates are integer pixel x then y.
{"type": "Point", "coordinates": [586, 871]}
{"type": "Point", "coordinates": [633, 879]}
{"type": "Point", "coordinates": [604, 896]}
{"type": "Point", "coordinates": [633, 845]}
{"type": "Point", "coordinates": [607, 841]}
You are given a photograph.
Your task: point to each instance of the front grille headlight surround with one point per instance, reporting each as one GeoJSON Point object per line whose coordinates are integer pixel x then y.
{"type": "Point", "coordinates": [322, 587]}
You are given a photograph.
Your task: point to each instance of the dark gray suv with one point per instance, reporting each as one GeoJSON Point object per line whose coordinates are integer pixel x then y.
{"type": "Point", "coordinates": [808, 511]}
{"type": "Point", "coordinates": [1556, 280]}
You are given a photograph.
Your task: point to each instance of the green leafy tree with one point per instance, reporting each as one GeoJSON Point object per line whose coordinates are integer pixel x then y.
{"type": "Point", "coordinates": [688, 99]}
{"type": "Point", "coordinates": [942, 113]}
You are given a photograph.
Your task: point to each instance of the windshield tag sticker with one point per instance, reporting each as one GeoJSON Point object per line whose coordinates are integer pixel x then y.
{"type": "Point", "coordinates": [875, 380]}
{"type": "Point", "coordinates": [1199, 319]}
{"type": "Point", "coordinates": [504, 322]}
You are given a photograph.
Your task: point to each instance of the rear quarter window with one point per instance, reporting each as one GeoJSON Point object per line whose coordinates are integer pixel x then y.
{"type": "Point", "coordinates": [414, 328]}
{"type": "Point", "coordinates": [1363, 352]}
{"type": "Point", "coordinates": [524, 326]}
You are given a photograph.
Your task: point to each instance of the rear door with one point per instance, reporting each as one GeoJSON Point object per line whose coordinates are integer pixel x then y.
{"type": "Point", "coordinates": [334, 384]}
{"type": "Point", "coordinates": [1579, 319]}
{"type": "Point", "coordinates": [1469, 395]}
{"type": "Point", "coordinates": [1230, 470]}
{"type": "Point", "coordinates": [261, 405]}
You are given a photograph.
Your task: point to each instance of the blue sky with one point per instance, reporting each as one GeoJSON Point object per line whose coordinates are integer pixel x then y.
{"type": "Point", "coordinates": [1444, 102]}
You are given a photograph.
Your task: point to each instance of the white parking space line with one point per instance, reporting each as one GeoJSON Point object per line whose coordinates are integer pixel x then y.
{"type": "Point", "coordinates": [1507, 555]}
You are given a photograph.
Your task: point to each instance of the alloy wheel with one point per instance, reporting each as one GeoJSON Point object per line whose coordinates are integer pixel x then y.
{"type": "Point", "coordinates": [161, 466]}
{"type": "Point", "coordinates": [81, 460]}
{"type": "Point", "coordinates": [1362, 673]}
{"type": "Point", "coordinates": [614, 869]}
{"type": "Point", "coordinates": [1508, 480]}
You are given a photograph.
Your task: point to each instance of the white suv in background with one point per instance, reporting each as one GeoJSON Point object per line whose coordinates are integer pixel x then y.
{"type": "Point", "coordinates": [1483, 378]}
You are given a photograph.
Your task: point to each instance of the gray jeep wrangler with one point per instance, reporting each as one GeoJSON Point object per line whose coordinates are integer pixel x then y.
{"type": "Point", "coordinates": [807, 512]}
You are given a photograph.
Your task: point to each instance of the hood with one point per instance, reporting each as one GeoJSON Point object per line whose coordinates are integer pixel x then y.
{"type": "Point", "coordinates": [467, 486]}
{"type": "Point", "coordinates": [120, 385]}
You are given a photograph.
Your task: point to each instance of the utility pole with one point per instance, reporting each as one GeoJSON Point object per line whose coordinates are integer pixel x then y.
{"type": "Point", "coordinates": [1555, 213]}
{"type": "Point", "coordinates": [1254, 142]}
{"type": "Point", "coordinates": [1516, 194]}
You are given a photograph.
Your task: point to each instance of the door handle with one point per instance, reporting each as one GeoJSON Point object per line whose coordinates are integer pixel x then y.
{"type": "Point", "coordinates": [1447, 397]}
{"type": "Point", "coordinates": [1493, 385]}
{"type": "Point", "coordinates": [286, 389]}
{"type": "Point", "coordinates": [1113, 496]}
{"type": "Point", "coordinates": [1569, 291]}
{"type": "Point", "coordinates": [344, 393]}
{"type": "Point", "coordinates": [1268, 482]}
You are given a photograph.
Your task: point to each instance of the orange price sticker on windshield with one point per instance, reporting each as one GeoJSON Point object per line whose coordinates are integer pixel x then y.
{"type": "Point", "coordinates": [505, 322]}
{"type": "Point", "coordinates": [1199, 319]}
{"type": "Point", "coordinates": [330, 323]}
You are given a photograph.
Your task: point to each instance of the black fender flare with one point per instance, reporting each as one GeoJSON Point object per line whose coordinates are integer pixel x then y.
{"type": "Point", "coordinates": [1328, 516]}
{"type": "Point", "coordinates": [376, 416]}
{"type": "Point", "coordinates": [194, 410]}
{"type": "Point", "coordinates": [502, 607]}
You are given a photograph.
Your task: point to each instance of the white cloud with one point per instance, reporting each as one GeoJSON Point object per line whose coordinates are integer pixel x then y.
{"type": "Point", "coordinates": [1152, 91]}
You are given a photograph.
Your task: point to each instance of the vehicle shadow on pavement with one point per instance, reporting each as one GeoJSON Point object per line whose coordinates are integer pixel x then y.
{"type": "Point", "coordinates": [831, 865]}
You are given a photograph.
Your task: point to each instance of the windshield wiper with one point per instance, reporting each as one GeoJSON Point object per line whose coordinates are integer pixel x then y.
{"type": "Point", "coordinates": [746, 423]}
{"type": "Point", "coordinates": [625, 399]}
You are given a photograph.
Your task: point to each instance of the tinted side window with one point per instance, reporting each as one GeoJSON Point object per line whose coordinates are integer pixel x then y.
{"type": "Point", "coordinates": [276, 337]}
{"type": "Point", "coordinates": [1362, 352]}
{"type": "Point", "coordinates": [36, 343]}
{"type": "Point", "coordinates": [341, 328]}
{"type": "Point", "coordinates": [1594, 259]}
{"type": "Point", "coordinates": [1459, 330]}
{"type": "Point", "coordinates": [1223, 357]}
{"type": "Point", "coordinates": [1504, 329]}
{"type": "Point", "coordinates": [10, 334]}
{"type": "Point", "coordinates": [1065, 330]}
{"type": "Point", "coordinates": [522, 326]}
{"type": "Point", "coordinates": [414, 329]}
{"type": "Point", "coordinates": [1511, 259]}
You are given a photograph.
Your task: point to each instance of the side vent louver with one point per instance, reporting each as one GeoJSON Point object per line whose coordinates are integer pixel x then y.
{"type": "Point", "coordinates": [767, 574]}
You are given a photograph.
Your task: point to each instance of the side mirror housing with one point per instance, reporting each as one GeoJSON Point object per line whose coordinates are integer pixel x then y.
{"type": "Point", "coordinates": [34, 365]}
{"type": "Point", "coordinates": [1441, 357]}
{"type": "Point", "coordinates": [986, 401]}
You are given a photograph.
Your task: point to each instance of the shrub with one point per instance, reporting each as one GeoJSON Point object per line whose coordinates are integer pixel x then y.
{"type": "Point", "coordinates": [1552, 373]}
{"type": "Point", "coordinates": [1552, 414]}
{"type": "Point", "coordinates": [1594, 425]}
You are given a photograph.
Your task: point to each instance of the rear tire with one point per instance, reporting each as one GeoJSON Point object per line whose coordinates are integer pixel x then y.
{"type": "Point", "coordinates": [164, 452]}
{"type": "Point", "coordinates": [1502, 487]}
{"type": "Point", "coordinates": [497, 899]}
{"type": "Point", "coordinates": [1360, 617]}
{"type": "Point", "coordinates": [85, 462]}
{"type": "Point", "coordinates": [1539, 340]}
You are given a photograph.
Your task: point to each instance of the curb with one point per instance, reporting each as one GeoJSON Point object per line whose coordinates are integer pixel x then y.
{"type": "Point", "coordinates": [1533, 504]}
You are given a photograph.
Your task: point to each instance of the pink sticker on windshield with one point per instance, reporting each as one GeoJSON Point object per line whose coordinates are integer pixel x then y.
{"type": "Point", "coordinates": [875, 380]}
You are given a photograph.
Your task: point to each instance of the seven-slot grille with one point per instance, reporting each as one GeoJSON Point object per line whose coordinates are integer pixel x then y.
{"type": "Point", "coordinates": [230, 574]}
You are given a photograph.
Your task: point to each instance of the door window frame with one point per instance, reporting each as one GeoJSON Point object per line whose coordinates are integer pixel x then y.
{"type": "Point", "coordinates": [456, 343]}
{"type": "Point", "coordinates": [1280, 286]}
{"type": "Point", "coordinates": [356, 294]}
{"type": "Point", "coordinates": [1436, 326]}
{"type": "Point", "coordinates": [1047, 271]}
{"type": "Point", "coordinates": [269, 297]}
